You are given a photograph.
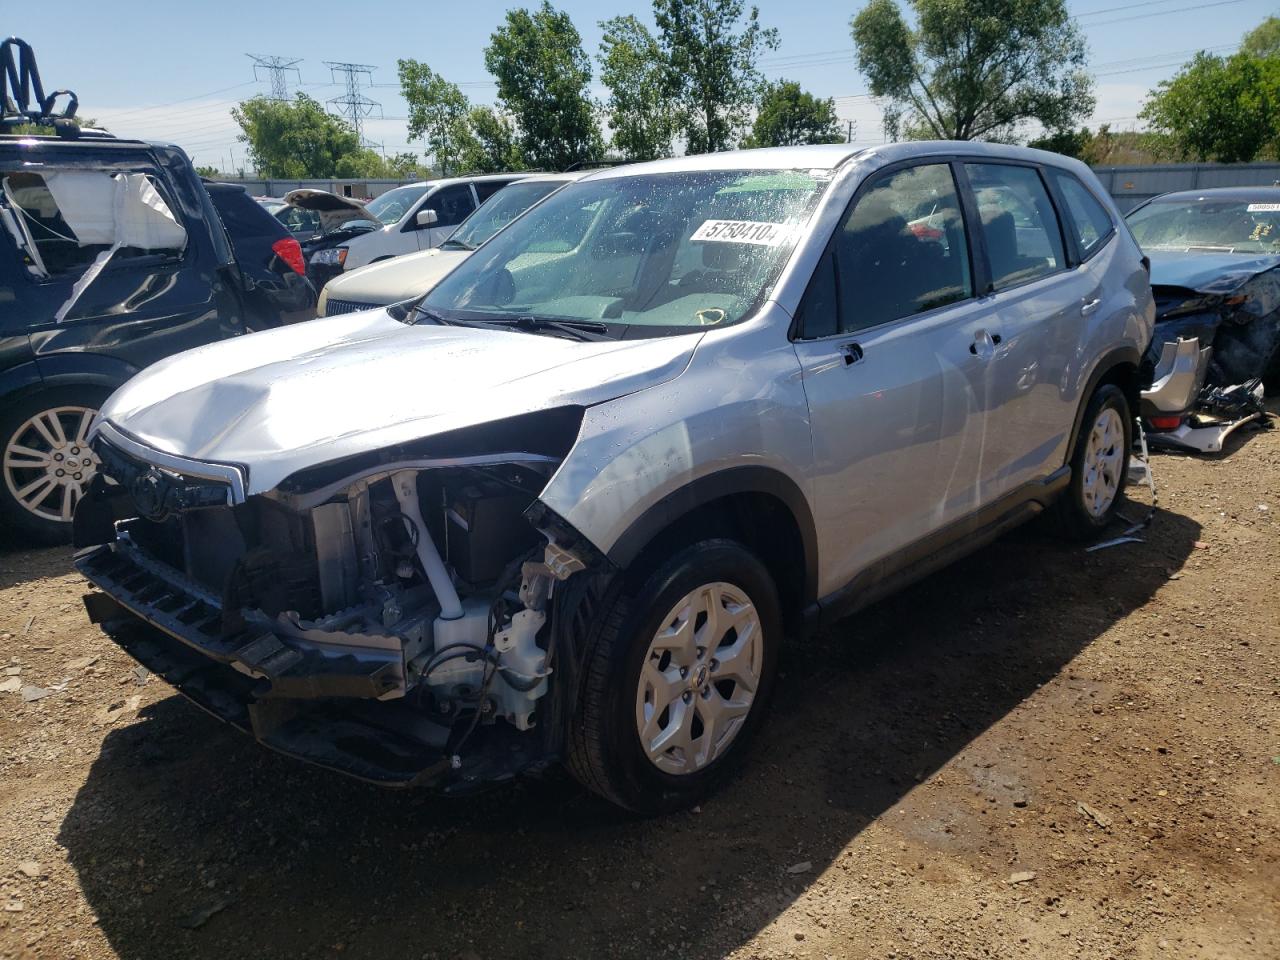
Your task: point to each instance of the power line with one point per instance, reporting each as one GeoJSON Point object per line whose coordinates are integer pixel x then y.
{"type": "Point", "coordinates": [173, 103]}
{"type": "Point", "coordinates": [277, 68]}
{"type": "Point", "coordinates": [1164, 13]}
{"type": "Point", "coordinates": [354, 105]}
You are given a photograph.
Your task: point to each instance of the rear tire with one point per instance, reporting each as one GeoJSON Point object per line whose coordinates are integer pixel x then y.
{"type": "Point", "coordinates": [653, 733]}
{"type": "Point", "coordinates": [1099, 466]}
{"type": "Point", "coordinates": [45, 465]}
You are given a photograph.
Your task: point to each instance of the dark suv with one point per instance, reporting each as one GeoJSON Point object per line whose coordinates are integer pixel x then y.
{"type": "Point", "coordinates": [272, 264]}
{"type": "Point", "coordinates": [111, 258]}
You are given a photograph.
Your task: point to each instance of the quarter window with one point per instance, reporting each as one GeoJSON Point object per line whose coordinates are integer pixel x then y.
{"type": "Point", "coordinates": [1087, 216]}
{"type": "Point", "coordinates": [1018, 223]}
{"type": "Point", "coordinates": [902, 249]}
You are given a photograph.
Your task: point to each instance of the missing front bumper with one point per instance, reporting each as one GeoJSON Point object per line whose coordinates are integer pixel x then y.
{"type": "Point", "coordinates": [316, 707]}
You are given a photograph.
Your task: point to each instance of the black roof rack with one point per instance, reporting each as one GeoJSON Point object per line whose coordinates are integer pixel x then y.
{"type": "Point", "coordinates": [23, 100]}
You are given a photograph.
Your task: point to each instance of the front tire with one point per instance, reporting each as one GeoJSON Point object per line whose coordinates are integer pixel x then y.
{"type": "Point", "coordinates": [45, 463]}
{"type": "Point", "coordinates": [1099, 466]}
{"type": "Point", "coordinates": [677, 679]}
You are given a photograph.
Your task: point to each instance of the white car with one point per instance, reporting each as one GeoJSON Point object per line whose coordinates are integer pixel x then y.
{"type": "Point", "coordinates": [417, 216]}
{"type": "Point", "coordinates": [391, 281]}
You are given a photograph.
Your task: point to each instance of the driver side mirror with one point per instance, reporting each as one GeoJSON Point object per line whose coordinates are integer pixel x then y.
{"type": "Point", "coordinates": [426, 218]}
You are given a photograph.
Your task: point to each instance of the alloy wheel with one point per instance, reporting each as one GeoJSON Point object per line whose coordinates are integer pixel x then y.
{"type": "Point", "coordinates": [699, 678]}
{"type": "Point", "coordinates": [1103, 461]}
{"type": "Point", "coordinates": [48, 464]}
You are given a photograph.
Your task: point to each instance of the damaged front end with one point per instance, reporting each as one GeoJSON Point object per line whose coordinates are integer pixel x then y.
{"type": "Point", "coordinates": [1182, 412]}
{"type": "Point", "coordinates": [389, 616]}
{"type": "Point", "coordinates": [1216, 342]}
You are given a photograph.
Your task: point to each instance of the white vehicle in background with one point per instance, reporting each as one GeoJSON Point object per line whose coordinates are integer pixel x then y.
{"type": "Point", "coordinates": [417, 216]}
{"type": "Point", "coordinates": [391, 281]}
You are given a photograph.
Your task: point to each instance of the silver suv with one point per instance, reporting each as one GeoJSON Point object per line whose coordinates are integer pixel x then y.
{"type": "Point", "coordinates": [567, 505]}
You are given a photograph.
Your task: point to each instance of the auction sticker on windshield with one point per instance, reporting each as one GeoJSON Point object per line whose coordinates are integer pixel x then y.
{"type": "Point", "coordinates": [742, 231]}
{"type": "Point", "coordinates": [1264, 208]}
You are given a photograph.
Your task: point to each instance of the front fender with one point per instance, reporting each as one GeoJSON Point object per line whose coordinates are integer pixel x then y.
{"type": "Point", "coordinates": [644, 459]}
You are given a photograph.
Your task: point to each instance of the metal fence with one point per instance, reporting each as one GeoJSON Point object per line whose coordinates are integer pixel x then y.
{"type": "Point", "coordinates": [1130, 186]}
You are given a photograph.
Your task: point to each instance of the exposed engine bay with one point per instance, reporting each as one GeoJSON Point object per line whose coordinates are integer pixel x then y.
{"type": "Point", "coordinates": [422, 585]}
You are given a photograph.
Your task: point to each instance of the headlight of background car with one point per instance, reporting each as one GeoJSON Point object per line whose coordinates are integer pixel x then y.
{"type": "Point", "coordinates": [332, 257]}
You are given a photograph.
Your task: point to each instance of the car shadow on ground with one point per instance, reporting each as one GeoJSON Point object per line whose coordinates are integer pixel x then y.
{"type": "Point", "coordinates": [21, 563]}
{"type": "Point", "coordinates": [182, 823]}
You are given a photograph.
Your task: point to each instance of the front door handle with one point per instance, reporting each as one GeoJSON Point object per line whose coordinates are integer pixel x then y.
{"type": "Point", "coordinates": [852, 353]}
{"type": "Point", "coordinates": [1090, 305]}
{"type": "Point", "coordinates": [984, 344]}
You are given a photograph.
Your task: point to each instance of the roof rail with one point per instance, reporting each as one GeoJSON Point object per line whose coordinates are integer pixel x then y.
{"type": "Point", "coordinates": [22, 96]}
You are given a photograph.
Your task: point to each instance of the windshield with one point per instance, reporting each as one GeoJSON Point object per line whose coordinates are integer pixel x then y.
{"type": "Point", "coordinates": [391, 206]}
{"type": "Point", "coordinates": [499, 210]}
{"type": "Point", "coordinates": [672, 250]}
{"type": "Point", "coordinates": [1213, 226]}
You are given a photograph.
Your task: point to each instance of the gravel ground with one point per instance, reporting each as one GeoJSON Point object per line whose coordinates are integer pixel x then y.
{"type": "Point", "coordinates": [1039, 753]}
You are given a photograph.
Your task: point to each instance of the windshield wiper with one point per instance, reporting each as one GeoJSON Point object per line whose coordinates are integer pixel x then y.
{"type": "Point", "coordinates": [417, 312]}
{"type": "Point", "coordinates": [457, 245]}
{"type": "Point", "coordinates": [577, 329]}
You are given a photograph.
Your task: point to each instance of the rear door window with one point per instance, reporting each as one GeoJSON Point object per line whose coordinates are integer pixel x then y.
{"type": "Point", "coordinates": [452, 204]}
{"type": "Point", "coordinates": [902, 250]}
{"type": "Point", "coordinates": [1018, 223]}
{"type": "Point", "coordinates": [1087, 217]}
{"type": "Point", "coordinates": [487, 188]}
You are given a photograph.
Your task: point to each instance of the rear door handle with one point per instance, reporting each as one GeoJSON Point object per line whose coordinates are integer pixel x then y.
{"type": "Point", "coordinates": [852, 353]}
{"type": "Point", "coordinates": [1090, 305]}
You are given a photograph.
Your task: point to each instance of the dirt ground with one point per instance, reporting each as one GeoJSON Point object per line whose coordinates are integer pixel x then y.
{"type": "Point", "coordinates": [1039, 753]}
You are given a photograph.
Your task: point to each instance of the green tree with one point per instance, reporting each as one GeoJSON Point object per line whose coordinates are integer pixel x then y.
{"type": "Point", "coordinates": [711, 48]}
{"type": "Point", "coordinates": [542, 73]}
{"type": "Point", "coordinates": [790, 116]}
{"type": "Point", "coordinates": [491, 143]}
{"type": "Point", "coordinates": [974, 69]}
{"type": "Point", "coordinates": [366, 164]}
{"type": "Point", "coordinates": [293, 139]}
{"type": "Point", "coordinates": [1223, 108]}
{"type": "Point", "coordinates": [642, 113]}
{"type": "Point", "coordinates": [437, 113]}
{"type": "Point", "coordinates": [208, 173]}
{"type": "Point", "coordinates": [1263, 40]}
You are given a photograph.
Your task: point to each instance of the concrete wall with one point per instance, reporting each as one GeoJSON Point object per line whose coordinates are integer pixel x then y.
{"type": "Point", "coordinates": [361, 189]}
{"type": "Point", "coordinates": [1130, 186]}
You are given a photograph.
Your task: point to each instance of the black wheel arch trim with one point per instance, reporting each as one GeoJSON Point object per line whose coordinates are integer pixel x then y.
{"type": "Point", "coordinates": [749, 479]}
{"type": "Point", "coordinates": [1117, 357]}
{"type": "Point", "coordinates": [57, 371]}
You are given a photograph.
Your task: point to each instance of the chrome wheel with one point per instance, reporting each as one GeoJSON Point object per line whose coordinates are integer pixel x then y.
{"type": "Point", "coordinates": [48, 464]}
{"type": "Point", "coordinates": [1103, 461]}
{"type": "Point", "coordinates": [699, 678]}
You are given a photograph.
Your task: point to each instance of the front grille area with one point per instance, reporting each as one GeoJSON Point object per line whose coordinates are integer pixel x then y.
{"type": "Point", "coordinates": [158, 493]}
{"type": "Point", "coordinates": [334, 306]}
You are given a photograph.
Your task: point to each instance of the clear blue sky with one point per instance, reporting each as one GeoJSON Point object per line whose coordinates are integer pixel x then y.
{"type": "Point", "coordinates": [172, 70]}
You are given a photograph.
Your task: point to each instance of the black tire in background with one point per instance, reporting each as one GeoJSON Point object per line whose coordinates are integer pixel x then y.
{"type": "Point", "coordinates": [605, 749]}
{"type": "Point", "coordinates": [30, 429]}
{"type": "Point", "coordinates": [1072, 515]}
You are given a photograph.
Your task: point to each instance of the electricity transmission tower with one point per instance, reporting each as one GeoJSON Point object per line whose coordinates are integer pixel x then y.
{"type": "Point", "coordinates": [276, 69]}
{"type": "Point", "coordinates": [353, 104]}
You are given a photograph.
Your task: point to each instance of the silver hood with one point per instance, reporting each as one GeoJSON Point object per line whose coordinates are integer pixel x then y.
{"type": "Point", "coordinates": [283, 400]}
